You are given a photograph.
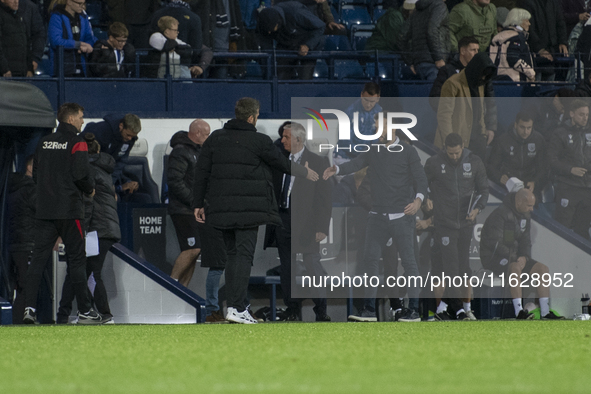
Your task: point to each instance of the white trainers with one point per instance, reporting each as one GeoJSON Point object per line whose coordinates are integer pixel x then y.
{"type": "Point", "coordinates": [470, 315]}
{"type": "Point", "coordinates": [244, 317]}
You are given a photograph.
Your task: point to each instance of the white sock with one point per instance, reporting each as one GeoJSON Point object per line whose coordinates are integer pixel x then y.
{"type": "Point", "coordinates": [544, 306]}
{"type": "Point", "coordinates": [460, 311]}
{"type": "Point", "coordinates": [517, 305]}
{"type": "Point", "coordinates": [176, 280]}
{"type": "Point", "coordinates": [442, 307]}
{"type": "Point", "coordinates": [467, 306]}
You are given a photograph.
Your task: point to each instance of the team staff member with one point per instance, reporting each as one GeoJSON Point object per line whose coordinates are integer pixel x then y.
{"type": "Point", "coordinates": [62, 174]}
{"type": "Point", "coordinates": [459, 190]}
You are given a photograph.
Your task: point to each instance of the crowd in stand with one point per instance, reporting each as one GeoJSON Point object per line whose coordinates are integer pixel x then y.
{"type": "Point", "coordinates": [528, 40]}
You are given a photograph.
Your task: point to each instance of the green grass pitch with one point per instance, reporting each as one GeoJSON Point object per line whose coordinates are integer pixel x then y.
{"type": "Point", "coordinates": [441, 357]}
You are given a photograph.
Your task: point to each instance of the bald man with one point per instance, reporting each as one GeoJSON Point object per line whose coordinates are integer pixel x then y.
{"type": "Point", "coordinates": [505, 247]}
{"type": "Point", "coordinates": [181, 170]}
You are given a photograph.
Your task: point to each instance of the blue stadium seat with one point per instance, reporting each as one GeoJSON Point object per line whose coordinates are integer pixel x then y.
{"type": "Point", "coordinates": [359, 39]}
{"type": "Point", "coordinates": [44, 66]}
{"type": "Point", "coordinates": [321, 69]}
{"type": "Point", "coordinates": [348, 69]}
{"type": "Point", "coordinates": [384, 70]}
{"type": "Point", "coordinates": [353, 15]}
{"type": "Point", "coordinates": [94, 10]}
{"type": "Point", "coordinates": [378, 11]}
{"type": "Point", "coordinates": [337, 43]}
{"type": "Point", "coordinates": [100, 34]}
{"type": "Point", "coordinates": [253, 70]}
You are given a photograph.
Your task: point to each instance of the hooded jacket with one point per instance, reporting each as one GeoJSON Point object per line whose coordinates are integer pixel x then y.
{"type": "Point", "coordinates": [457, 111]}
{"type": "Point", "coordinates": [108, 135]}
{"type": "Point", "coordinates": [181, 173]}
{"type": "Point", "coordinates": [427, 39]}
{"type": "Point", "coordinates": [517, 157]}
{"type": "Point", "coordinates": [469, 19]}
{"type": "Point", "coordinates": [510, 53]}
{"type": "Point", "coordinates": [234, 176]}
{"type": "Point", "coordinates": [388, 32]}
{"type": "Point", "coordinates": [22, 202]}
{"type": "Point", "coordinates": [505, 236]}
{"type": "Point", "coordinates": [62, 173]}
{"type": "Point", "coordinates": [455, 187]}
{"type": "Point", "coordinates": [15, 52]}
{"type": "Point", "coordinates": [60, 34]}
{"type": "Point", "coordinates": [570, 146]}
{"type": "Point", "coordinates": [104, 219]}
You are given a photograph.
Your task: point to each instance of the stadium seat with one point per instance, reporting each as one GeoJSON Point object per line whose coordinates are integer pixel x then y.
{"type": "Point", "coordinates": [253, 70]}
{"type": "Point", "coordinates": [337, 43]}
{"type": "Point", "coordinates": [138, 169]}
{"type": "Point", "coordinates": [348, 69]}
{"type": "Point", "coordinates": [94, 10]}
{"type": "Point", "coordinates": [359, 39]}
{"type": "Point", "coordinates": [100, 34]}
{"type": "Point", "coordinates": [378, 11]}
{"type": "Point", "coordinates": [353, 15]}
{"type": "Point", "coordinates": [384, 70]}
{"type": "Point", "coordinates": [321, 69]}
{"type": "Point", "coordinates": [140, 148]}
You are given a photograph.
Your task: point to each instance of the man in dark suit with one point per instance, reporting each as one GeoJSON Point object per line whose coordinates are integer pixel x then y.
{"type": "Point", "coordinates": [311, 203]}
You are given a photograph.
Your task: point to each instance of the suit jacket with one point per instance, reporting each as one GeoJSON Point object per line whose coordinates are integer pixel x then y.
{"type": "Point", "coordinates": [310, 205]}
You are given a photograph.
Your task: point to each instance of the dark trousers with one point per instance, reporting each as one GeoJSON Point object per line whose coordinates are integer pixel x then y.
{"type": "Point", "coordinates": [94, 266]}
{"type": "Point", "coordinates": [311, 263]}
{"type": "Point", "coordinates": [573, 208]}
{"type": "Point", "coordinates": [378, 231]}
{"type": "Point", "coordinates": [47, 234]}
{"type": "Point", "coordinates": [240, 244]}
{"type": "Point", "coordinates": [454, 249]}
{"type": "Point", "coordinates": [478, 145]}
{"type": "Point", "coordinates": [20, 260]}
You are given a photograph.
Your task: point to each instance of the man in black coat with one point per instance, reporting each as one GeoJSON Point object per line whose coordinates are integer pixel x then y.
{"type": "Point", "coordinates": [136, 14]}
{"type": "Point", "coordinates": [295, 28]}
{"type": "Point", "coordinates": [116, 136]}
{"type": "Point", "coordinates": [311, 204]}
{"type": "Point", "coordinates": [520, 153]}
{"type": "Point", "coordinates": [114, 57]}
{"type": "Point", "coordinates": [505, 248]}
{"type": "Point", "coordinates": [61, 170]}
{"type": "Point", "coordinates": [36, 33]}
{"type": "Point", "coordinates": [233, 191]}
{"type": "Point", "coordinates": [15, 52]}
{"type": "Point", "coordinates": [459, 190]}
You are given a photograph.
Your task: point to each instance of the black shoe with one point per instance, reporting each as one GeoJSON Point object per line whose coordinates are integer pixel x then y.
{"type": "Point", "coordinates": [398, 313]}
{"type": "Point", "coordinates": [91, 317]}
{"type": "Point", "coordinates": [410, 316]}
{"type": "Point", "coordinates": [442, 316]}
{"type": "Point", "coordinates": [324, 317]}
{"type": "Point", "coordinates": [462, 316]}
{"type": "Point", "coordinates": [553, 316]}
{"type": "Point", "coordinates": [524, 315]}
{"type": "Point", "coordinates": [30, 316]}
{"type": "Point", "coordinates": [62, 319]}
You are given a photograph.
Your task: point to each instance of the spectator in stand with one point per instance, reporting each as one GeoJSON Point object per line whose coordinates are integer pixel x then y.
{"type": "Point", "coordinates": [249, 10]}
{"type": "Point", "coordinates": [100, 216]}
{"type": "Point", "coordinates": [465, 109]}
{"type": "Point", "coordinates": [476, 18]}
{"type": "Point", "coordinates": [390, 27]}
{"type": "Point", "coordinates": [549, 112]}
{"type": "Point", "coordinates": [15, 52]}
{"type": "Point", "coordinates": [22, 204]}
{"type": "Point", "coordinates": [223, 31]}
{"type": "Point", "coordinates": [190, 32]}
{"type": "Point", "coordinates": [583, 88]}
{"type": "Point", "coordinates": [136, 15]}
{"type": "Point", "coordinates": [69, 28]}
{"type": "Point", "coordinates": [367, 107]}
{"type": "Point", "coordinates": [467, 48]}
{"type": "Point", "coordinates": [520, 153]}
{"type": "Point", "coordinates": [170, 53]}
{"type": "Point", "coordinates": [425, 45]}
{"type": "Point", "coordinates": [575, 11]}
{"type": "Point", "coordinates": [294, 28]}
{"type": "Point", "coordinates": [569, 156]}
{"type": "Point", "coordinates": [509, 49]}
{"type": "Point", "coordinates": [321, 9]}
{"type": "Point", "coordinates": [547, 34]}
{"type": "Point", "coordinates": [506, 249]}
{"type": "Point", "coordinates": [114, 57]}
{"type": "Point", "coordinates": [36, 32]}
{"type": "Point", "coordinates": [117, 135]}
{"type": "Point", "coordinates": [502, 13]}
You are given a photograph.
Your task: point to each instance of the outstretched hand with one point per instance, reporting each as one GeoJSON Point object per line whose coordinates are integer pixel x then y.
{"type": "Point", "coordinates": [330, 171]}
{"type": "Point", "coordinates": [312, 175]}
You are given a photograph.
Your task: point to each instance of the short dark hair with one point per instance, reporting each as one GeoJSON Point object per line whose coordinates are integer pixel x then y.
{"type": "Point", "coordinates": [132, 123]}
{"type": "Point", "coordinates": [578, 103]}
{"type": "Point", "coordinates": [371, 88]}
{"type": "Point", "coordinates": [565, 92]}
{"type": "Point", "coordinates": [92, 143]}
{"type": "Point", "coordinates": [246, 107]}
{"type": "Point", "coordinates": [68, 109]}
{"type": "Point", "coordinates": [453, 140]}
{"type": "Point", "coordinates": [465, 41]}
{"type": "Point", "coordinates": [523, 116]}
{"type": "Point", "coordinates": [118, 30]}
{"type": "Point", "coordinates": [282, 127]}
